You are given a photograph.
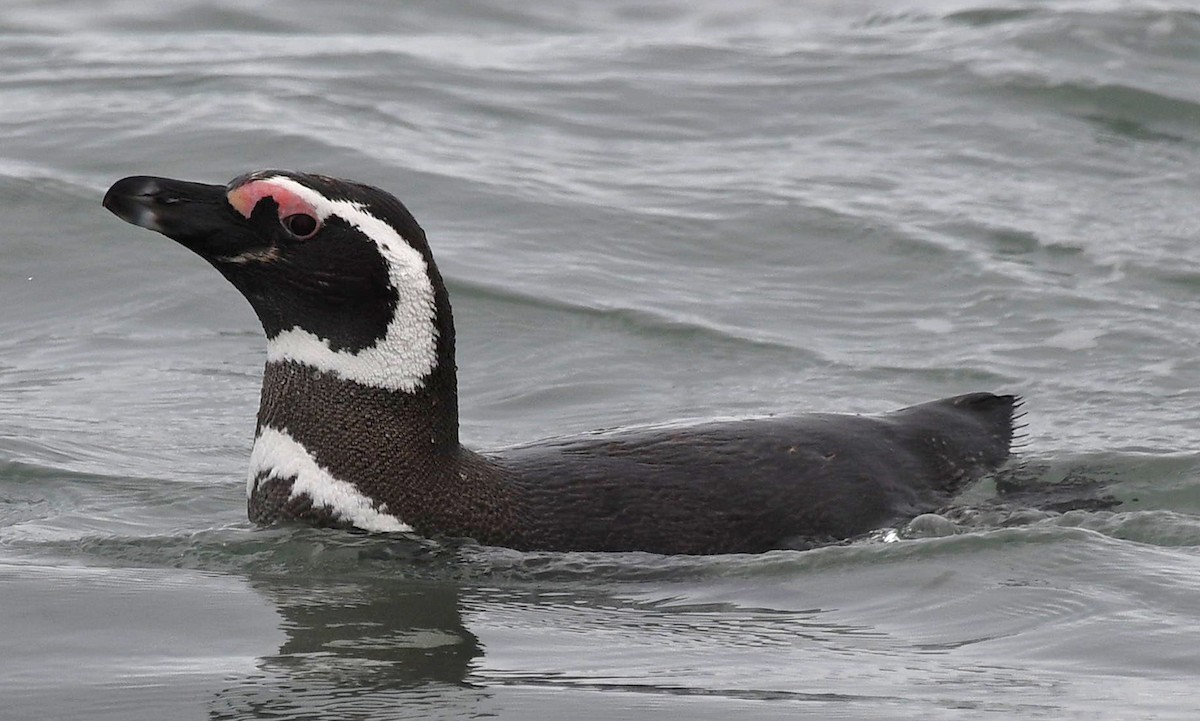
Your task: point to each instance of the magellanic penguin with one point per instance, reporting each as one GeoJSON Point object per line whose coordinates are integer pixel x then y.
{"type": "Point", "coordinates": [358, 422]}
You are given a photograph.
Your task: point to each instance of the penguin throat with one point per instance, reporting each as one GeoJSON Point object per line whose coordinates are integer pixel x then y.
{"type": "Point", "coordinates": [363, 454]}
{"type": "Point", "coordinates": [345, 418]}
{"type": "Point", "coordinates": [406, 354]}
{"type": "Point", "coordinates": [396, 362]}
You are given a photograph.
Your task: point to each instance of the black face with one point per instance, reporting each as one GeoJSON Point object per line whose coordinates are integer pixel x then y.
{"type": "Point", "coordinates": [298, 266]}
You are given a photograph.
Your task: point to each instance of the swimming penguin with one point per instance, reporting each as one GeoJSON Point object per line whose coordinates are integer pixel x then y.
{"type": "Point", "coordinates": [358, 421]}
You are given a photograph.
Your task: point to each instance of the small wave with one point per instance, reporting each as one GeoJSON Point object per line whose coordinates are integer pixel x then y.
{"type": "Point", "coordinates": [237, 547]}
{"type": "Point", "coordinates": [120, 535]}
{"type": "Point", "coordinates": [27, 181]}
{"type": "Point", "coordinates": [1119, 110]}
{"type": "Point", "coordinates": [644, 322]}
{"type": "Point", "coordinates": [1155, 528]}
{"type": "Point", "coordinates": [982, 17]}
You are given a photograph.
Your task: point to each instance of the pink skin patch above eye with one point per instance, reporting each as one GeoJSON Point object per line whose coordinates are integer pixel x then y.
{"type": "Point", "coordinates": [244, 197]}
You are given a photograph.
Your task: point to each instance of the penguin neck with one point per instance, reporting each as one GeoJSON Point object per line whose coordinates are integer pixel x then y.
{"type": "Point", "coordinates": [323, 408]}
{"type": "Point", "coordinates": [421, 420]}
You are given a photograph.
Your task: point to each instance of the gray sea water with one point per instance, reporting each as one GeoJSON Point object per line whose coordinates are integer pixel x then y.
{"type": "Point", "coordinates": [645, 211]}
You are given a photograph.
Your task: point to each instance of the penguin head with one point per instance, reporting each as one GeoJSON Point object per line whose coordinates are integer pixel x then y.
{"type": "Point", "coordinates": [339, 273]}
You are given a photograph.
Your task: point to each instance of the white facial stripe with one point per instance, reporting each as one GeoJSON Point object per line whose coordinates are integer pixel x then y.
{"type": "Point", "coordinates": [279, 455]}
{"type": "Point", "coordinates": [269, 255]}
{"type": "Point", "coordinates": [408, 351]}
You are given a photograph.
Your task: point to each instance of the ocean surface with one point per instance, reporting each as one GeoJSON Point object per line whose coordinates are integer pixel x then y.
{"type": "Point", "coordinates": [644, 212]}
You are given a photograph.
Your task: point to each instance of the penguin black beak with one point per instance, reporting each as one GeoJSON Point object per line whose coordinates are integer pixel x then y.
{"type": "Point", "coordinates": [197, 215]}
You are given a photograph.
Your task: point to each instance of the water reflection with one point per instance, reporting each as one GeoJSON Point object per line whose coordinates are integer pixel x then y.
{"type": "Point", "coordinates": [364, 648]}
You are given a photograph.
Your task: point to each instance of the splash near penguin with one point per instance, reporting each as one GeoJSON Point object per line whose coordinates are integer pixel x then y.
{"type": "Point", "coordinates": [358, 420]}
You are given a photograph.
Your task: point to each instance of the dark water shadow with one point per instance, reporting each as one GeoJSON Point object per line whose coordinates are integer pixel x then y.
{"type": "Point", "coordinates": [357, 648]}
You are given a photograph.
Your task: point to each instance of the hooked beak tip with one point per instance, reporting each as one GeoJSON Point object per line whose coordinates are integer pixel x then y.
{"type": "Point", "coordinates": [132, 200]}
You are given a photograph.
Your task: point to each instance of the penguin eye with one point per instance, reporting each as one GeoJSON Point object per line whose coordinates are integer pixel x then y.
{"type": "Point", "coordinates": [301, 225]}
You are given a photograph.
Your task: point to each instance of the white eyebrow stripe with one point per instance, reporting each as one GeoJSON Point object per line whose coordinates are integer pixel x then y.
{"type": "Point", "coordinates": [407, 353]}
